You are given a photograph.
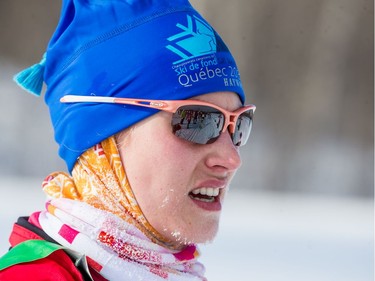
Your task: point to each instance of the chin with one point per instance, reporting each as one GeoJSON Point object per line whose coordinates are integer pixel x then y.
{"type": "Point", "coordinates": [208, 235]}
{"type": "Point", "coordinates": [198, 234]}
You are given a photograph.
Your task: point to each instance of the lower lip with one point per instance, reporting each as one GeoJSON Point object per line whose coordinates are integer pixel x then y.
{"type": "Point", "coordinates": [208, 206]}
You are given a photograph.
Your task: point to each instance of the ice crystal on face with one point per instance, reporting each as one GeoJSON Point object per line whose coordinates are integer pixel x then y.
{"type": "Point", "coordinates": [165, 202]}
{"type": "Point", "coordinates": [176, 234]}
{"type": "Point", "coordinates": [180, 239]}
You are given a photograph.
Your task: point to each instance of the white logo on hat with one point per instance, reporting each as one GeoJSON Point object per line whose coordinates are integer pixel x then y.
{"type": "Point", "coordinates": [196, 39]}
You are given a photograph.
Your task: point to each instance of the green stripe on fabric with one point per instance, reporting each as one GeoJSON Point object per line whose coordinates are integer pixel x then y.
{"type": "Point", "coordinates": [28, 251]}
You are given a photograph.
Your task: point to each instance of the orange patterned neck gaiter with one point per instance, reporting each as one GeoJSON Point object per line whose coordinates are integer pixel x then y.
{"type": "Point", "coordinates": [99, 179]}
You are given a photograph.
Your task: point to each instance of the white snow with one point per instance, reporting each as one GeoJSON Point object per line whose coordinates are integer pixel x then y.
{"type": "Point", "coordinates": [263, 236]}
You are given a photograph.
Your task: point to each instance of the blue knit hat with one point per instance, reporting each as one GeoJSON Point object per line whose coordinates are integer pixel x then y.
{"type": "Point", "coordinates": [152, 49]}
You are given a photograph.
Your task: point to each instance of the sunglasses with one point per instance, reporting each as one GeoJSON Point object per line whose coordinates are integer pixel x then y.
{"type": "Point", "coordinates": [192, 120]}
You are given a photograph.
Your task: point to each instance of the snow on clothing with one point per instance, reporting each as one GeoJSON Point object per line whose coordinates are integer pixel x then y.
{"type": "Point", "coordinates": [95, 214]}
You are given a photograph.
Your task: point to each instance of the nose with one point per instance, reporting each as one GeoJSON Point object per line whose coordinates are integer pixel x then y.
{"type": "Point", "coordinates": [224, 155]}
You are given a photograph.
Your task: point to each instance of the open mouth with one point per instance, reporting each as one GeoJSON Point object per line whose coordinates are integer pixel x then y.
{"type": "Point", "coordinates": [205, 194]}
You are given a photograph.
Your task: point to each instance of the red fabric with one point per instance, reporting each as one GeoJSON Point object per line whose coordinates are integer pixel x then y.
{"type": "Point", "coordinates": [95, 275]}
{"type": "Point", "coordinates": [57, 267]}
{"type": "Point", "coordinates": [20, 234]}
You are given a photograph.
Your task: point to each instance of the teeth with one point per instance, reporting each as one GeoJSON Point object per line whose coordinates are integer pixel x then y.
{"type": "Point", "coordinates": [209, 200]}
{"type": "Point", "coordinates": [209, 191]}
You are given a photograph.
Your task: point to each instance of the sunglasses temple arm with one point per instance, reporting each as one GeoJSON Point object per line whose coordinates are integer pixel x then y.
{"type": "Point", "coordinates": [84, 99]}
{"type": "Point", "coordinates": [155, 104]}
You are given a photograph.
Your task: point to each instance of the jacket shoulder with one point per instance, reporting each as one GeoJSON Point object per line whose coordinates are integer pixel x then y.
{"type": "Point", "coordinates": [56, 265]}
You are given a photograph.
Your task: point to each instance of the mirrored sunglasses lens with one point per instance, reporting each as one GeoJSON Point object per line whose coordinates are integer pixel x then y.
{"type": "Point", "coordinates": [197, 124]}
{"type": "Point", "coordinates": [243, 128]}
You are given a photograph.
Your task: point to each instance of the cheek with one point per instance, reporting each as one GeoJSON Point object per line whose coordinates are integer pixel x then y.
{"type": "Point", "coordinates": [168, 153]}
{"type": "Point", "coordinates": [172, 166]}
{"type": "Point", "coordinates": [159, 165]}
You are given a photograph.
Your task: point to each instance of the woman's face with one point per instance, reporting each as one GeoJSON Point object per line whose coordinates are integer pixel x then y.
{"type": "Point", "coordinates": [169, 175]}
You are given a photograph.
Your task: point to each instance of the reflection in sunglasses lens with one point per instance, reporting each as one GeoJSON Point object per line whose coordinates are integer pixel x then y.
{"type": "Point", "coordinates": [243, 128]}
{"type": "Point", "coordinates": [198, 124]}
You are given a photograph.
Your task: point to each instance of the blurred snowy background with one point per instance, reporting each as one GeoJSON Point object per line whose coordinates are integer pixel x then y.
{"type": "Point", "coordinates": [301, 207]}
